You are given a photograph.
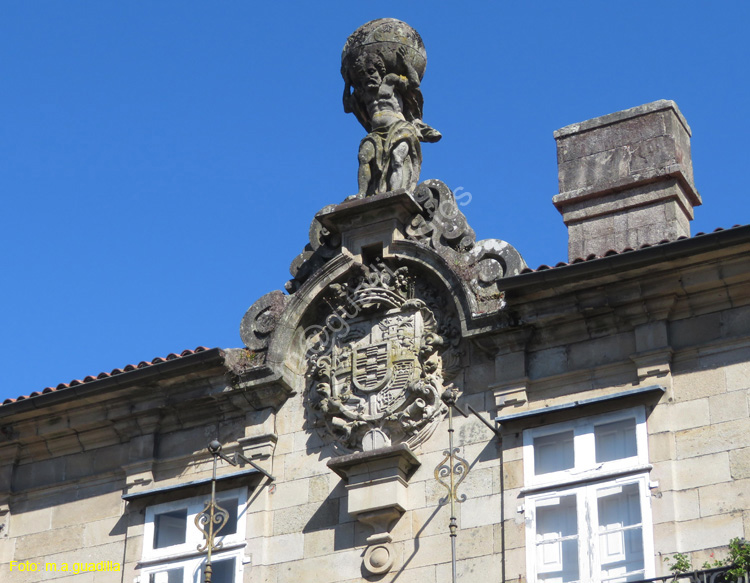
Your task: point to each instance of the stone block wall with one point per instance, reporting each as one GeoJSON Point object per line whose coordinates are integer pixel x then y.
{"type": "Point", "coordinates": [69, 524]}
{"type": "Point", "coordinates": [300, 530]}
{"type": "Point", "coordinates": [700, 447]}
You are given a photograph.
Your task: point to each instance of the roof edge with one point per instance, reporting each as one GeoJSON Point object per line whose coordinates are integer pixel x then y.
{"type": "Point", "coordinates": [169, 368]}
{"type": "Point", "coordinates": [632, 259]}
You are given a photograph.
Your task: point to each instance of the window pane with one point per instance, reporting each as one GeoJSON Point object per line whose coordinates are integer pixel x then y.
{"type": "Point", "coordinates": [230, 505]}
{"type": "Point", "coordinates": [169, 576]}
{"type": "Point", "coordinates": [557, 540]}
{"type": "Point", "coordinates": [553, 453]}
{"type": "Point", "coordinates": [615, 441]}
{"type": "Point", "coordinates": [170, 528]}
{"type": "Point", "coordinates": [222, 571]}
{"type": "Point", "coordinates": [620, 533]}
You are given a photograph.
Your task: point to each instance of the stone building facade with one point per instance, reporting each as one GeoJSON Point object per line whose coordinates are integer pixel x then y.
{"type": "Point", "coordinates": [601, 406]}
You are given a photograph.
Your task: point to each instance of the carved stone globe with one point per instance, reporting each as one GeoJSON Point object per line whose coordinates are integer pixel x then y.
{"type": "Point", "coordinates": [384, 37]}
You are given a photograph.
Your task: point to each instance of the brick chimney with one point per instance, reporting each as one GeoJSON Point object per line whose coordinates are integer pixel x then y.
{"type": "Point", "coordinates": [626, 179]}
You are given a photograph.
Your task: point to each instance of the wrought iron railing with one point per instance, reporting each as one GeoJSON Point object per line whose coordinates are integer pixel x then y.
{"type": "Point", "coordinates": [714, 575]}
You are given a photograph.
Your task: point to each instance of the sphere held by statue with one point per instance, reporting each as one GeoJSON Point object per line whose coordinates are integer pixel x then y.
{"type": "Point", "coordinates": [385, 36]}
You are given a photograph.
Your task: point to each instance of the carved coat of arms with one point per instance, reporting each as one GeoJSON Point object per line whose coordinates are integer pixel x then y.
{"type": "Point", "coordinates": [375, 366]}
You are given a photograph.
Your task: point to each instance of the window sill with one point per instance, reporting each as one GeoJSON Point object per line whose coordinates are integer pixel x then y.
{"type": "Point", "coordinates": [587, 478]}
{"type": "Point", "coordinates": [184, 556]}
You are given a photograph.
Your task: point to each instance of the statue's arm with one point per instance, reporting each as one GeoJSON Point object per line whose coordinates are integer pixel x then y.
{"type": "Point", "coordinates": [347, 98]}
{"type": "Point", "coordinates": [412, 77]}
{"type": "Point", "coordinates": [398, 82]}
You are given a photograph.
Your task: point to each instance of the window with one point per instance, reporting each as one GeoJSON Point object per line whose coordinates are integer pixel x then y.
{"type": "Point", "coordinates": [588, 513]}
{"type": "Point", "coordinates": [171, 541]}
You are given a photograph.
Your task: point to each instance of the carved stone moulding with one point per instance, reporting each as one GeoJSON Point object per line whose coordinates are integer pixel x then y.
{"type": "Point", "coordinates": [443, 227]}
{"type": "Point", "coordinates": [432, 218]}
{"type": "Point", "coordinates": [260, 320]}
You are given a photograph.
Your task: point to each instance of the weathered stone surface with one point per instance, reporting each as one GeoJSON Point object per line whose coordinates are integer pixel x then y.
{"type": "Point", "coordinates": [290, 494]}
{"type": "Point", "coordinates": [626, 179]}
{"type": "Point", "coordinates": [94, 507]}
{"type": "Point", "coordinates": [320, 487]}
{"type": "Point", "coordinates": [698, 383]}
{"type": "Point", "coordinates": [305, 517]}
{"type": "Point", "coordinates": [329, 568]}
{"type": "Point", "coordinates": [108, 529]}
{"type": "Point", "coordinates": [675, 506]}
{"type": "Point", "coordinates": [713, 438]}
{"type": "Point", "coordinates": [728, 406]}
{"type": "Point", "coordinates": [691, 472]}
{"type": "Point", "coordinates": [260, 320]}
{"type": "Point", "coordinates": [25, 521]}
{"type": "Point", "coordinates": [710, 531]}
{"type": "Point", "coordinates": [284, 548]}
{"type": "Point", "coordinates": [739, 463]}
{"type": "Point", "coordinates": [690, 414]}
{"type": "Point", "coordinates": [37, 545]}
{"type": "Point", "coordinates": [663, 474]}
{"type": "Point", "coordinates": [429, 520]}
{"type": "Point", "coordinates": [442, 226]}
{"type": "Point", "coordinates": [382, 64]}
{"type": "Point", "coordinates": [665, 539]}
{"type": "Point", "coordinates": [661, 446]}
{"type": "Point", "coordinates": [480, 511]}
{"type": "Point", "coordinates": [725, 498]}
{"type": "Point", "coordinates": [375, 361]}
{"type": "Point", "coordinates": [430, 217]}
{"type": "Point", "coordinates": [738, 376]}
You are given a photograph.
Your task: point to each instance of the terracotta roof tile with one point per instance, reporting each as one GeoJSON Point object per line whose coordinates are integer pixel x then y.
{"type": "Point", "coordinates": [104, 375]}
{"type": "Point", "coordinates": [611, 252]}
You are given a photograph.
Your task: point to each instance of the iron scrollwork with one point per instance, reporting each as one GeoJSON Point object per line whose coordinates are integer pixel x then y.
{"type": "Point", "coordinates": [451, 467]}
{"type": "Point", "coordinates": [210, 521]}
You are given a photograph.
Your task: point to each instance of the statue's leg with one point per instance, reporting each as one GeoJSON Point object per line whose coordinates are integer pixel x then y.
{"type": "Point", "coordinates": [366, 157]}
{"type": "Point", "coordinates": [399, 175]}
{"type": "Point", "coordinates": [415, 166]}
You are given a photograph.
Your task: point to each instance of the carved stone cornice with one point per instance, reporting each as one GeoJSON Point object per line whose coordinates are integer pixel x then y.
{"type": "Point", "coordinates": [653, 363]}
{"type": "Point", "coordinates": [431, 217]}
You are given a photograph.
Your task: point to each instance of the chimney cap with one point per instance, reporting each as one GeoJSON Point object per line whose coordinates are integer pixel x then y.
{"type": "Point", "coordinates": [619, 116]}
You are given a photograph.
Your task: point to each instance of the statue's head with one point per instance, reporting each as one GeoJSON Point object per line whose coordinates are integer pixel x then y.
{"type": "Point", "coordinates": [368, 71]}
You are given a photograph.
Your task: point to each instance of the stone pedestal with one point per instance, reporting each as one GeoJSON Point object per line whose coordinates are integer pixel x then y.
{"type": "Point", "coordinates": [371, 224]}
{"type": "Point", "coordinates": [626, 179]}
{"type": "Point", "coordinates": [376, 496]}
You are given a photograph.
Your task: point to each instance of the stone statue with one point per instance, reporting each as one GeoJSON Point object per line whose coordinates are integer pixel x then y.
{"type": "Point", "coordinates": [383, 63]}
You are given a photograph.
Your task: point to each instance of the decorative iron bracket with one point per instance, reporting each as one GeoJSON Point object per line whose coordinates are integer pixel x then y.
{"type": "Point", "coordinates": [454, 468]}
{"type": "Point", "coordinates": [235, 460]}
{"type": "Point", "coordinates": [213, 517]}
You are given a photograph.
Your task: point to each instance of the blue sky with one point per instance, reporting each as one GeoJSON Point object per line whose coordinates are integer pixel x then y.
{"type": "Point", "coordinates": [161, 161]}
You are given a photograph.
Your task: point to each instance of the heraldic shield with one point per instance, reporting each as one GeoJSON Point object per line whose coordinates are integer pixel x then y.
{"type": "Point", "coordinates": [375, 368]}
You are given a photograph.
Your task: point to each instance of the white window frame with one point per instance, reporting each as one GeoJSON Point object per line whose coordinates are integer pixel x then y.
{"type": "Point", "coordinates": [586, 467]}
{"type": "Point", "coordinates": [192, 567]}
{"type": "Point", "coordinates": [186, 555]}
{"type": "Point", "coordinates": [584, 480]}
